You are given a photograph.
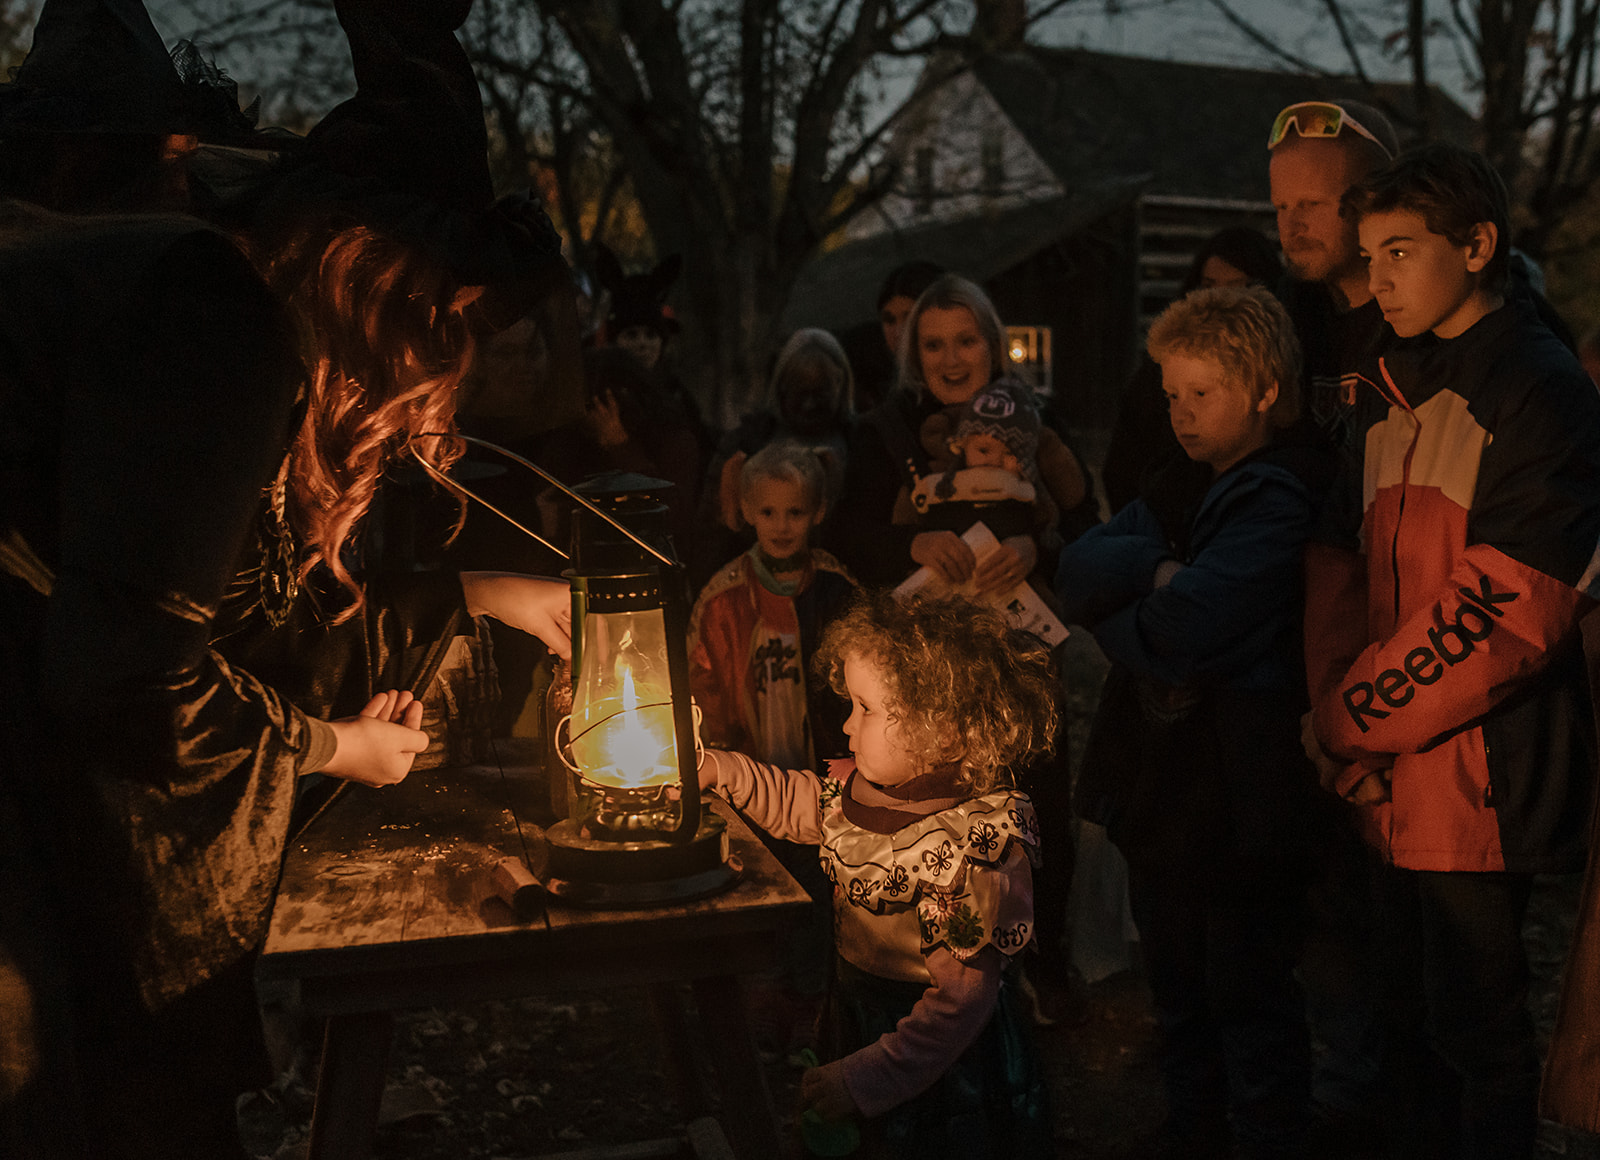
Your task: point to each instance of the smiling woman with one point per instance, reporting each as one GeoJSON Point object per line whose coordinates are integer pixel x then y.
{"type": "Point", "coordinates": [951, 346]}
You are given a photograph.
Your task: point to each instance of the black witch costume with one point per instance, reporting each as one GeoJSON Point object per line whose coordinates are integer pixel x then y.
{"type": "Point", "coordinates": [161, 666]}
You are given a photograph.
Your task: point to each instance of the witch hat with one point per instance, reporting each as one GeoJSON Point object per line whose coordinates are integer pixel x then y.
{"type": "Point", "coordinates": [96, 66]}
{"type": "Point", "coordinates": [408, 156]}
{"type": "Point", "coordinates": [99, 66]}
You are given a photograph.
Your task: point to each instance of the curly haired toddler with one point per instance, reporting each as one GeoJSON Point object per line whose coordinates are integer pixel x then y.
{"type": "Point", "coordinates": [930, 850]}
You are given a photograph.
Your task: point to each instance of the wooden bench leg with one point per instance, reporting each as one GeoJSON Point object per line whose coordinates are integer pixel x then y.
{"type": "Point", "coordinates": [355, 1061]}
{"type": "Point", "coordinates": [748, 1116]}
{"type": "Point", "coordinates": [678, 1042]}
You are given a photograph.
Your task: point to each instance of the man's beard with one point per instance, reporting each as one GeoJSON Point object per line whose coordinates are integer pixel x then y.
{"type": "Point", "coordinates": [1312, 265]}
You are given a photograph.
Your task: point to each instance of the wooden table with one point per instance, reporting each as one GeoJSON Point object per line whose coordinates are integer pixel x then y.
{"type": "Point", "coordinates": [386, 903]}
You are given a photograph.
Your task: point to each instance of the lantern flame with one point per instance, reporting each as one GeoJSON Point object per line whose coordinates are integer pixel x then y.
{"type": "Point", "coordinates": [635, 747]}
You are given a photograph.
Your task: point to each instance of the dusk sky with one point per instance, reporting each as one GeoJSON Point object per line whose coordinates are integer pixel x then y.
{"type": "Point", "coordinates": [1179, 29]}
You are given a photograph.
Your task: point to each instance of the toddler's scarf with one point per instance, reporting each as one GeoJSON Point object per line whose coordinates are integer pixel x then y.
{"type": "Point", "coordinates": [883, 809]}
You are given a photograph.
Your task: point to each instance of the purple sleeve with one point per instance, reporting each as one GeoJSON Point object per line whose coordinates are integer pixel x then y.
{"type": "Point", "coordinates": [786, 803]}
{"type": "Point", "coordinates": [926, 1043]}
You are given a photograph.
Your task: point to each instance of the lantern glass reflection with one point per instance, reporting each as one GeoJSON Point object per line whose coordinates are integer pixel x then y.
{"type": "Point", "coordinates": [622, 737]}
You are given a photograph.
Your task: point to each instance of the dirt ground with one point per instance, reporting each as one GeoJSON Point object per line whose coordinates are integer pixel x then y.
{"type": "Point", "coordinates": [565, 1073]}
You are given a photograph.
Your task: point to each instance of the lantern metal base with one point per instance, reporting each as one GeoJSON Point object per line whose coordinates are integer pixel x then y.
{"type": "Point", "coordinates": [586, 871]}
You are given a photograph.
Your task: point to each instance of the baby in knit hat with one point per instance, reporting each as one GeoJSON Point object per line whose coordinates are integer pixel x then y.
{"type": "Point", "coordinates": [995, 443]}
{"type": "Point", "coordinates": [998, 427]}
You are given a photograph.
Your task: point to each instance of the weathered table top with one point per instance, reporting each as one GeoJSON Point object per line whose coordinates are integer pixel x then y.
{"type": "Point", "coordinates": [386, 901]}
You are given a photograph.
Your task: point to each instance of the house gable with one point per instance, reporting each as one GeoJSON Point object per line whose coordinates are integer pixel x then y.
{"type": "Point", "coordinates": [956, 155]}
{"type": "Point", "coordinates": [1199, 129]}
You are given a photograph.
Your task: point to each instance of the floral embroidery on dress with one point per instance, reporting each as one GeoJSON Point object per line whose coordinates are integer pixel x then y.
{"type": "Point", "coordinates": [964, 930]}
{"type": "Point", "coordinates": [939, 904]}
{"type": "Point", "coordinates": [950, 919]}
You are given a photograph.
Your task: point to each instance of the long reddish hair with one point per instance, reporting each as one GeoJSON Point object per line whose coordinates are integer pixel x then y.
{"type": "Point", "coordinates": [386, 346]}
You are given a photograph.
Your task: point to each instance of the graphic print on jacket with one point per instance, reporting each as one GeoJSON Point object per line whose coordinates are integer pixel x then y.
{"type": "Point", "coordinates": [1480, 509]}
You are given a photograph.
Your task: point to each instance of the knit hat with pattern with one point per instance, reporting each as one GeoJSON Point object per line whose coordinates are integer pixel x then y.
{"type": "Point", "coordinates": [1002, 410]}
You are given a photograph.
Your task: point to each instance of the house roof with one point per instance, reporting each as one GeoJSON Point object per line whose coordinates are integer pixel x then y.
{"type": "Point", "coordinates": [1109, 127]}
{"type": "Point", "coordinates": [839, 288]}
{"type": "Point", "coordinates": [1200, 129]}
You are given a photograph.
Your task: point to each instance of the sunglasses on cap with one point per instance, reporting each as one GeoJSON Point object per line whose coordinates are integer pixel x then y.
{"type": "Point", "coordinates": [1319, 119]}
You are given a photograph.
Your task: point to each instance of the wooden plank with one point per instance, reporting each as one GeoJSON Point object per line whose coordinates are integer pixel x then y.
{"type": "Point", "coordinates": [339, 990]}
{"type": "Point", "coordinates": [355, 1054]}
{"type": "Point", "coordinates": [678, 1039]}
{"type": "Point", "coordinates": [399, 879]}
{"type": "Point", "coordinates": [405, 863]}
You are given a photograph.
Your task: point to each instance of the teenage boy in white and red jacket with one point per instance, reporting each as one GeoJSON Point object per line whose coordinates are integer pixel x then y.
{"type": "Point", "coordinates": [1449, 698]}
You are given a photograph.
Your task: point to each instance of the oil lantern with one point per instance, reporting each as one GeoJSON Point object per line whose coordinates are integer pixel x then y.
{"type": "Point", "coordinates": [634, 832]}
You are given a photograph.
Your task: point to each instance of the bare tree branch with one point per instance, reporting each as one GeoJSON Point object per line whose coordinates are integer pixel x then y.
{"type": "Point", "coordinates": [1466, 27]}
{"type": "Point", "coordinates": [1262, 40]}
{"type": "Point", "coordinates": [1417, 48]}
{"type": "Point", "coordinates": [1336, 11]}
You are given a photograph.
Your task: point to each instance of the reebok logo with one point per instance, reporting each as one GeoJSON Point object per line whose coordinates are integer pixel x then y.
{"type": "Point", "coordinates": [1447, 645]}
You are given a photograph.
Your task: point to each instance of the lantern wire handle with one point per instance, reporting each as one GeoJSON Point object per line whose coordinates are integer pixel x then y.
{"type": "Point", "coordinates": [542, 474]}
{"type": "Point", "coordinates": [566, 723]}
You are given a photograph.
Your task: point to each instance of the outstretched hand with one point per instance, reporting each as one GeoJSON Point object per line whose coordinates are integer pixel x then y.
{"type": "Point", "coordinates": [377, 746]}
{"type": "Point", "coordinates": [537, 605]}
{"type": "Point", "coordinates": [397, 706]}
